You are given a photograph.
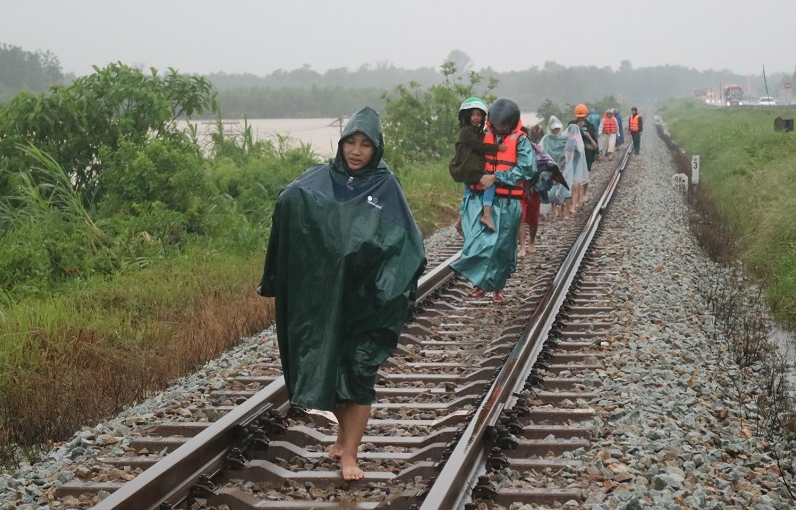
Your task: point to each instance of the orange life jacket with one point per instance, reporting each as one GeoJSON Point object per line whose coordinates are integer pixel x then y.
{"type": "Point", "coordinates": [634, 122]}
{"type": "Point", "coordinates": [609, 125]}
{"type": "Point", "coordinates": [502, 161]}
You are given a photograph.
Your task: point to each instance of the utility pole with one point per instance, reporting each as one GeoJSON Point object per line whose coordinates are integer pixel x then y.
{"type": "Point", "coordinates": [765, 82]}
{"type": "Point", "coordinates": [338, 122]}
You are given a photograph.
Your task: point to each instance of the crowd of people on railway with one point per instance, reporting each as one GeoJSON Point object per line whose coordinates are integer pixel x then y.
{"type": "Point", "coordinates": [345, 254]}
{"type": "Point", "coordinates": [509, 171]}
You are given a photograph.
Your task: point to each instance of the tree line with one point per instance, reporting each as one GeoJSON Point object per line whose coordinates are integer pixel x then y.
{"type": "Point", "coordinates": [306, 93]}
{"type": "Point", "coordinates": [34, 71]}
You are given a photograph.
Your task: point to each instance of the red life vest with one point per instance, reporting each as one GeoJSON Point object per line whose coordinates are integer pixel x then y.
{"type": "Point", "coordinates": [502, 162]}
{"type": "Point", "coordinates": [634, 122]}
{"type": "Point", "coordinates": [609, 125]}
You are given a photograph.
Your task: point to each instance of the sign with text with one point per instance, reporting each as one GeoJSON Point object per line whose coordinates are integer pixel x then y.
{"type": "Point", "coordinates": [694, 169]}
{"type": "Point", "coordinates": [680, 182]}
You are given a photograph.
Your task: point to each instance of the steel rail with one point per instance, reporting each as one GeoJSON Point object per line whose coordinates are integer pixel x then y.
{"type": "Point", "coordinates": [468, 458]}
{"type": "Point", "coordinates": [174, 474]}
{"type": "Point", "coordinates": [170, 479]}
{"type": "Point", "coordinates": [435, 278]}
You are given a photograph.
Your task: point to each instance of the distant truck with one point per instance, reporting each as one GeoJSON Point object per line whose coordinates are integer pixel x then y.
{"type": "Point", "coordinates": [733, 95]}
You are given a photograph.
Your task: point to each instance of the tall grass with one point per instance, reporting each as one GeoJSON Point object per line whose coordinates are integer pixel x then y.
{"type": "Point", "coordinates": [45, 190]}
{"type": "Point", "coordinates": [73, 358]}
{"type": "Point", "coordinates": [748, 169]}
{"type": "Point", "coordinates": [433, 196]}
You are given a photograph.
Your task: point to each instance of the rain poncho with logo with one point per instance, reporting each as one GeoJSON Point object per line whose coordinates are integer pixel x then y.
{"type": "Point", "coordinates": [343, 262]}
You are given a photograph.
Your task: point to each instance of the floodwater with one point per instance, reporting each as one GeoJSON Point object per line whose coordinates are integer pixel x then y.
{"type": "Point", "coordinates": [321, 134]}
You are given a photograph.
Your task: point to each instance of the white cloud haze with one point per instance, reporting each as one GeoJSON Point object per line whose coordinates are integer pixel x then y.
{"type": "Point", "coordinates": [261, 36]}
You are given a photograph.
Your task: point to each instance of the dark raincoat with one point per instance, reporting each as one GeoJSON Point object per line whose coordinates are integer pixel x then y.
{"type": "Point", "coordinates": [343, 262]}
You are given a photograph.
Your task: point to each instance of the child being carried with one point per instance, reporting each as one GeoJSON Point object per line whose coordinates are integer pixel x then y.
{"type": "Point", "coordinates": [468, 162]}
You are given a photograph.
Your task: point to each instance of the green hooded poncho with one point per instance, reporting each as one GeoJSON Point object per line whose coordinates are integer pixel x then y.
{"type": "Point", "coordinates": [343, 262]}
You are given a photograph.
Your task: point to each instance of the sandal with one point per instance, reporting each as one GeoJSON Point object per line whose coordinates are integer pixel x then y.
{"type": "Point", "coordinates": [498, 298]}
{"type": "Point", "coordinates": [477, 293]}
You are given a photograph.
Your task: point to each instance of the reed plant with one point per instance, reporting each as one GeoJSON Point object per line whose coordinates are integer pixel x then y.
{"type": "Point", "coordinates": [44, 190]}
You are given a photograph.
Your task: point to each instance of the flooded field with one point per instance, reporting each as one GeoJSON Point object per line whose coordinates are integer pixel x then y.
{"type": "Point", "coordinates": [321, 134]}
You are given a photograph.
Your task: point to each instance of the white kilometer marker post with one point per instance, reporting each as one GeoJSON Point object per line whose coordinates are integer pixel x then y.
{"type": "Point", "coordinates": [694, 169]}
{"type": "Point", "coordinates": [680, 182]}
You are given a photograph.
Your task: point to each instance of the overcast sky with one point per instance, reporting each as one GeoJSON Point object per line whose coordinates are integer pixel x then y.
{"type": "Point", "coordinates": [261, 36]}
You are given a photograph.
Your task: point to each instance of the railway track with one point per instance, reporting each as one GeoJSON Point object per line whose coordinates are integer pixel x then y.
{"type": "Point", "coordinates": [478, 403]}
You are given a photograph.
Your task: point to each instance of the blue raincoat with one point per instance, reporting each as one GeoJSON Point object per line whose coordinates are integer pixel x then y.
{"type": "Point", "coordinates": [620, 132]}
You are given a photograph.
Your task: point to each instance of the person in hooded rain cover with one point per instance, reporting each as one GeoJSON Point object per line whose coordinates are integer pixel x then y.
{"type": "Point", "coordinates": [343, 261]}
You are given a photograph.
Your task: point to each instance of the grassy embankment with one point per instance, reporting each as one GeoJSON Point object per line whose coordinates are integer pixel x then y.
{"type": "Point", "coordinates": [104, 343]}
{"type": "Point", "coordinates": [748, 169]}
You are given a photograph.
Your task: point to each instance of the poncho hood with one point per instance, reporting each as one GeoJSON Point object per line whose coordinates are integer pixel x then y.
{"type": "Point", "coordinates": [554, 123]}
{"type": "Point", "coordinates": [367, 122]}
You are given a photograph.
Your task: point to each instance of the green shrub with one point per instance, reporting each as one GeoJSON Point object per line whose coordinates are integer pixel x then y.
{"type": "Point", "coordinates": [157, 171]}
{"type": "Point", "coordinates": [420, 125]}
{"type": "Point", "coordinates": [37, 256]}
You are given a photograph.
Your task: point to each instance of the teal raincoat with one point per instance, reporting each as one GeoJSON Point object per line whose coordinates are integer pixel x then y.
{"type": "Point", "coordinates": [343, 262]}
{"type": "Point", "coordinates": [489, 258]}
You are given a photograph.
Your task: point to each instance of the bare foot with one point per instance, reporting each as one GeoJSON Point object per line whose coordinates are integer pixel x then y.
{"type": "Point", "coordinates": [335, 451]}
{"type": "Point", "coordinates": [521, 254]}
{"type": "Point", "coordinates": [488, 223]}
{"type": "Point", "coordinates": [350, 469]}
{"type": "Point", "coordinates": [532, 248]}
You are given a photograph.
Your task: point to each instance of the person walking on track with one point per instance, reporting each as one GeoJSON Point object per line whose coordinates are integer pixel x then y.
{"type": "Point", "coordinates": [343, 261]}
{"type": "Point", "coordinates": [488, 258]}
{"type": "Point", "coordinates": [636, 127]}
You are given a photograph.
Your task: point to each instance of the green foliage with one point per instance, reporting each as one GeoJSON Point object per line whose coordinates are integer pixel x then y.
{"type": "Point", "coordinates": [72, 124]}
{"type": "Point", "coordinates": [423, 124]}
{"type": "Point", "coordinates": [548, 109]}
{"type": "Point", "coordinates": [37, 255]}
{"type": "Point", "coordinates": [605, 103]}
{"type": "Point", "coordinates": [254, 178]}
{"type": "Point", "coordinates": [433, 196]}
{"type": "Point", "coordinates": [170, 173]}
{"type": "Point", "coordinates": [47, 235]}
{"type": "Point", "coordinates": [43, 189]}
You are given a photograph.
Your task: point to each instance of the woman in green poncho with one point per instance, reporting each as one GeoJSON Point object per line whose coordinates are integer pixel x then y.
{"type": "Point", "coordinates": [343, 262]}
